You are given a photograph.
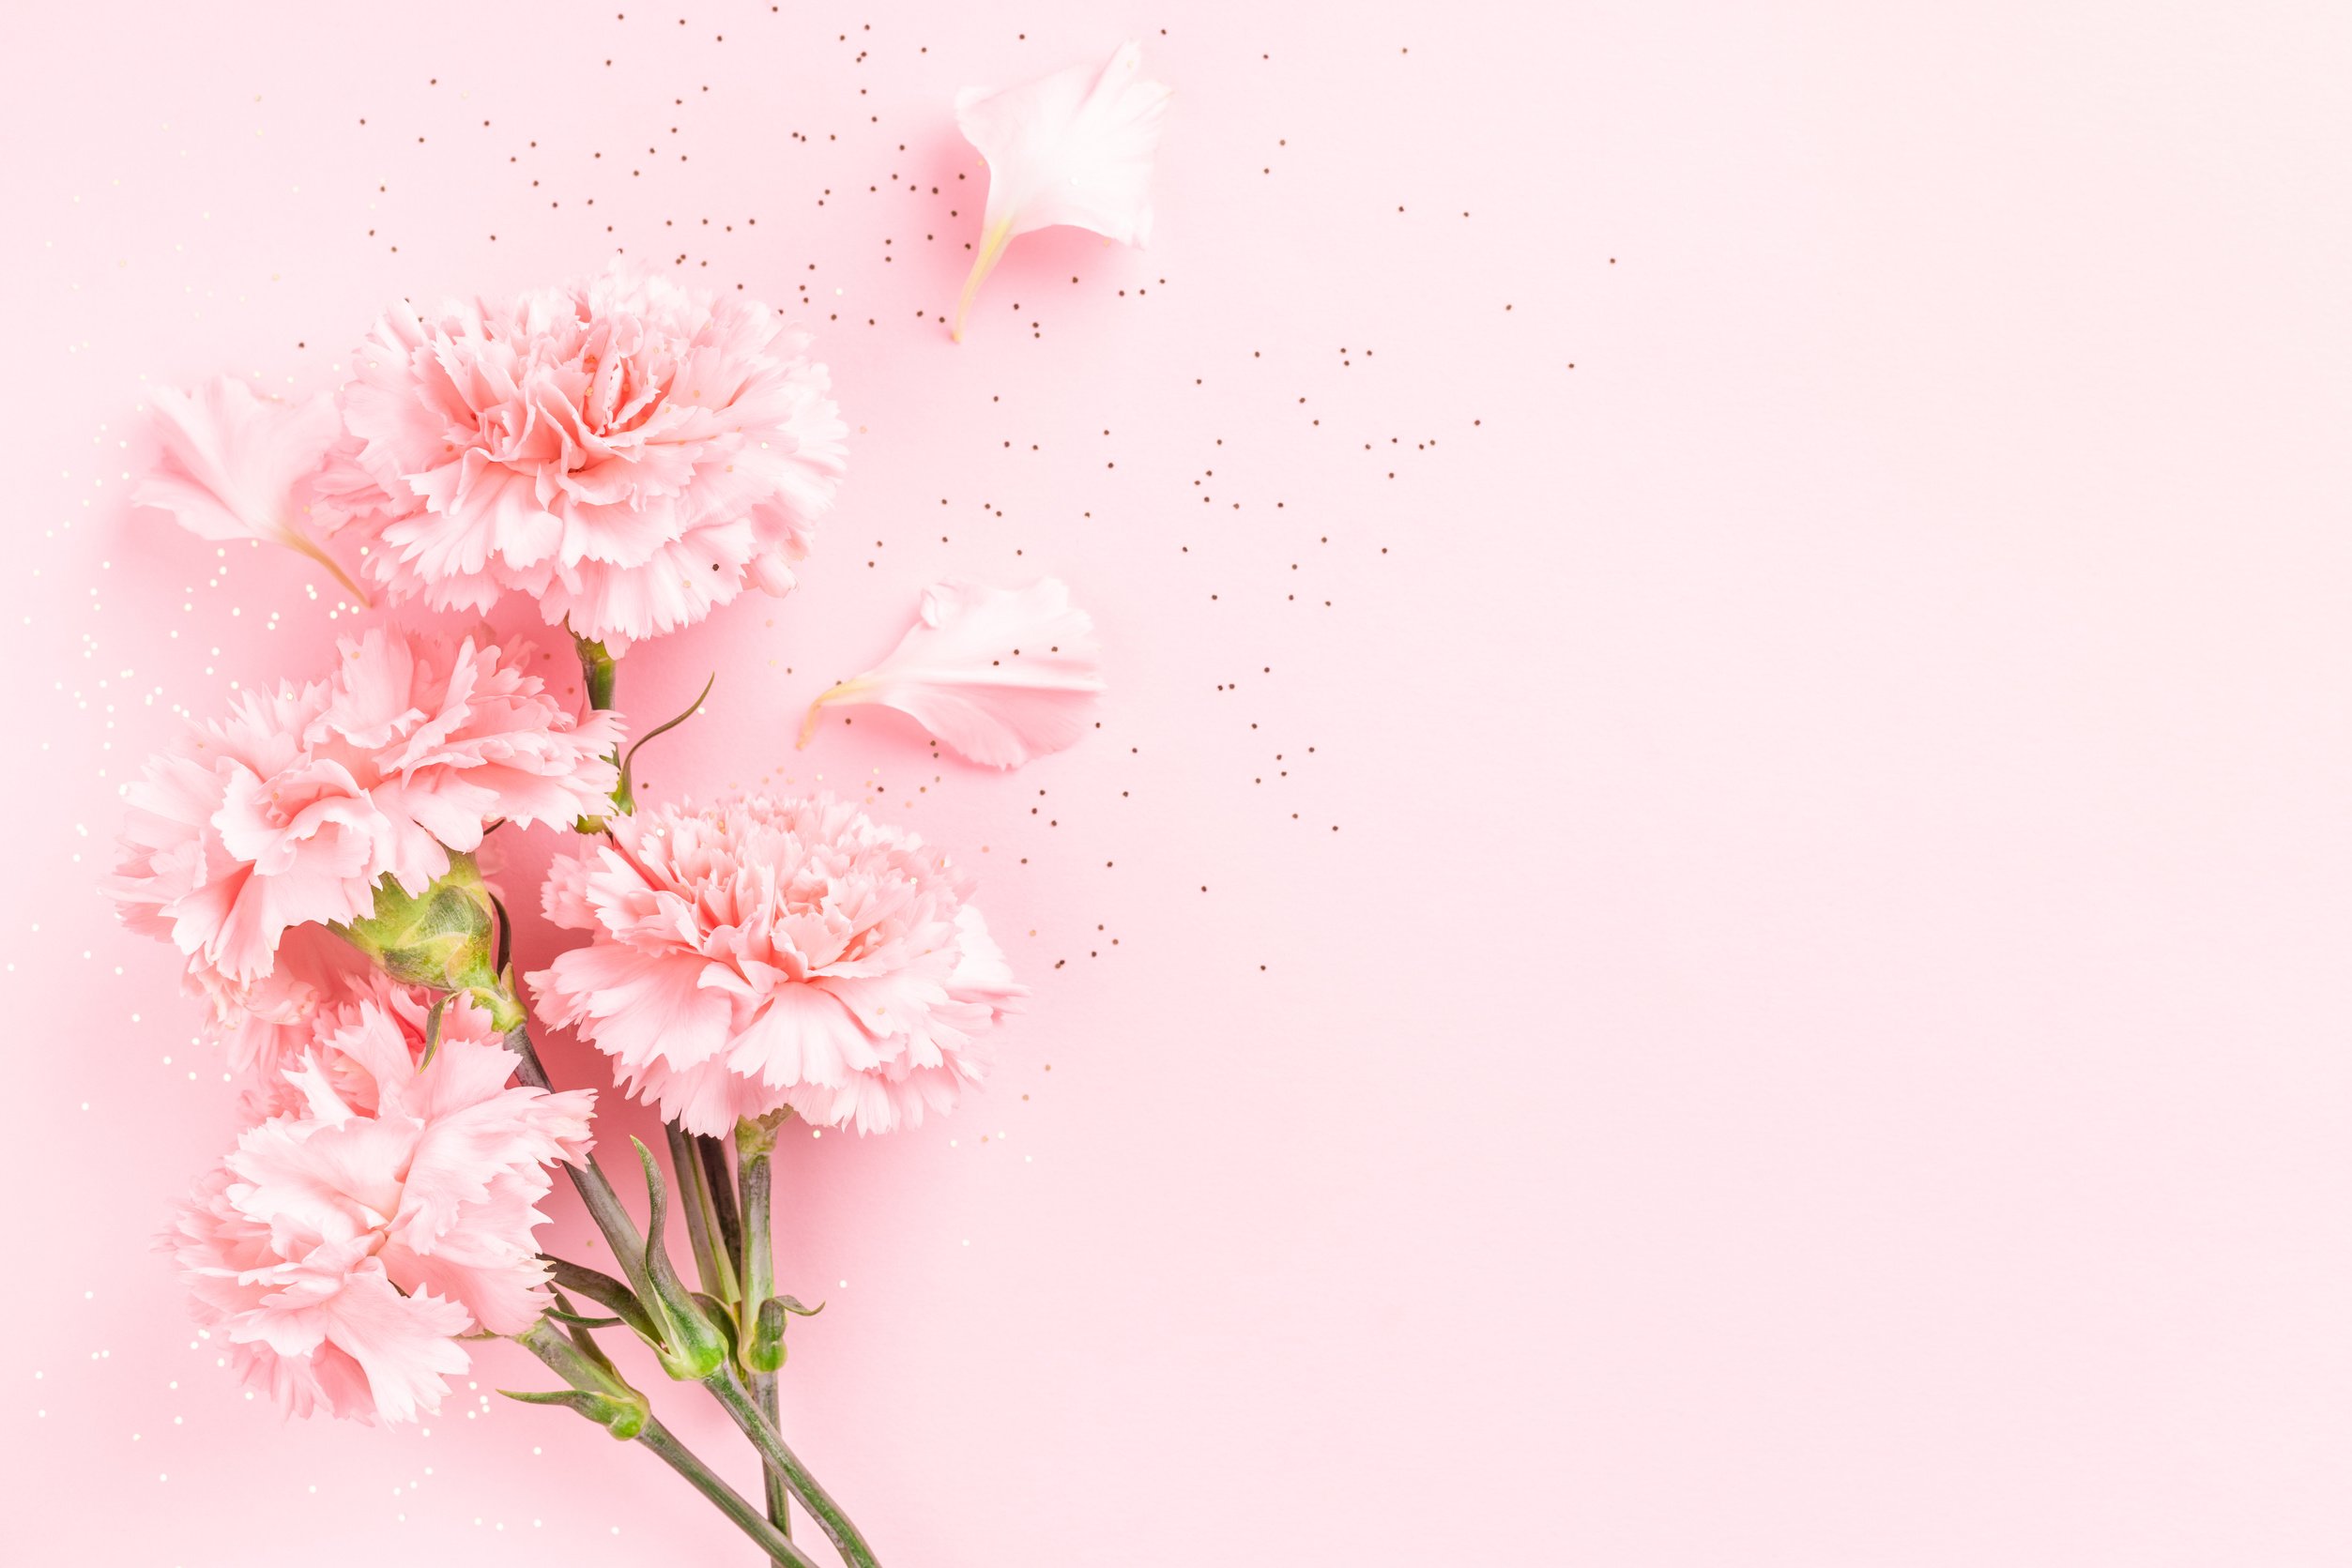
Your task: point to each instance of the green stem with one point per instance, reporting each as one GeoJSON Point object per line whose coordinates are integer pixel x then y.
{"type": "Point", "coordinates": [598, 670]}
{"type": "Point", "coordinates": [620, 1233]}
{"type": "Point", "coordinates": [727, 1388]}
{"type": "Point", "coordinates": [716, 1181]}
{"type": "Point", "coordinates": [779, 1500]}
{"type": "Point", "coordinates": [573, 1366]}
{"type": "Point", "coordinates": [716, 1272]}
{"type": "Point", "coordinates": [747, 1518]}
{"type": "Point", "coordinates": [754, 1142]}
{"type": "Point", "coordinates": [597, 667]}
{"type": "Point", "coordinates": [596, 1190]}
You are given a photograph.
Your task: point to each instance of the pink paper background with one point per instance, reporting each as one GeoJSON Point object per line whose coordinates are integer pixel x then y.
{"type": "Point", "coordinates": [1708, 922]}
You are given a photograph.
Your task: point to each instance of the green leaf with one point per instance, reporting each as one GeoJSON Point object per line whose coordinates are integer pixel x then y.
{"type": "Point", "coordinates": [433, 1028]}
{"type": "Point", "coordinates": [716, 1275]}
{"type": "Point", "coordinates": [579, 1322]}
{"type": "Point", "coordinates": [608, 1292]}
{"type": "Point", "coordinates": [506, 930]}
{"type": "Point", "coordinates": [623, 1416]}
{"type": "Point", "coordinates": [626, 793]}
{"type": "Point", "coordinates": [721, 1316]}
{"type": "Point", "coordinates": [578, 1333]}
{"type": "Point", "coordinates": [691, 1347]}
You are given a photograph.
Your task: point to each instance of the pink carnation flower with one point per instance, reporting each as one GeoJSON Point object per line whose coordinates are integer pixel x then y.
{"type": "Point", "coordinates": [347, 1244]}
{"type": "Point", "coordinates": [771, 953]}
{"type": "Point", "coordinates": [264, 1023]}
{"type": "Point", "coordinates": [623, 450]}
{"type": "Point", "coordinates": [287, 813]}
{"type": "Point", "coordinates": [278, 1086]}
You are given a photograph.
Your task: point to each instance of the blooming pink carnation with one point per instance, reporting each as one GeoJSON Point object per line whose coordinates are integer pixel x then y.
{"type": "Point", "coordinates": [346, 1243]}
{"type": "Point", "coordinates": [623, 450]}
{"type": "Point", "coordinates": [771, 953]}
{"type": "Point", "coordinates": [287, 813]}
{"type": "Point", "coordinates": [274, 1085]}
{"type": "Point", "coordinates": [262, 1023]}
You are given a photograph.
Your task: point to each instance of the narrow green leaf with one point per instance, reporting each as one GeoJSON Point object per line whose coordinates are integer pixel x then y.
{"type": "Point", "coordinates": [628, 759]}
{"type": "Point", "coordinates": [505, 932]}
{"type": "Point", "coordinates": [624, 1418]}
{"type": "Point", "coordinates": [608, 1292]}
{"type": "Point", "coordinates": [579, 1322]}
{"type": "Point", "coordinates": [691, 1347]}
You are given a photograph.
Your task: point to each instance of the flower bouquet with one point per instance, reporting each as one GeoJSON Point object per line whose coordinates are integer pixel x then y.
{"type": "Point", "coordinates": [626, 455]}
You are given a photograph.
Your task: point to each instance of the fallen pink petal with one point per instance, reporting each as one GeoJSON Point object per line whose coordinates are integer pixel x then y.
{"type": "Point", "coordinates": [232, 465]}
{"type": "Point", "coordinates": [1073, 147]}
{"type": "Point", "coordinates": [1000, 674]}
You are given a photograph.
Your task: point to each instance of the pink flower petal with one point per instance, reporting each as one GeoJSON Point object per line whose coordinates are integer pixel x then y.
{"type": "Point", "coordinates": [235, 467]}
{"type": "Point", "coordinates": [1001, 674]}
{"type": "Point", "coordinates": [1074, 148]}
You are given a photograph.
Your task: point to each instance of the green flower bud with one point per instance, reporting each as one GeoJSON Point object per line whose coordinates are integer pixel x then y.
{"type": "Point", "coordinates": [445, 939]}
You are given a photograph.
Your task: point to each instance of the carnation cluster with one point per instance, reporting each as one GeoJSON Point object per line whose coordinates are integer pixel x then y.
{"type": "Point", "coordinates": [616, 456]}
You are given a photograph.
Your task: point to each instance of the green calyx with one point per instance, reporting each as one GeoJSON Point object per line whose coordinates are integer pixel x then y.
{"type": "Point", "coordinates": [598, 1391]}
{"type": "Point", "coordinates": [445, 939]}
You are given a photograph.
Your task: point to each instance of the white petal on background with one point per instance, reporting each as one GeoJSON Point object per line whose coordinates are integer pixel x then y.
{"type": "Point", "coordinates": [1001, 674]}
{"type": "Point", "coordinates": [1074, 148]}
{"type": "Point", "coordinates": [231, 465]}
